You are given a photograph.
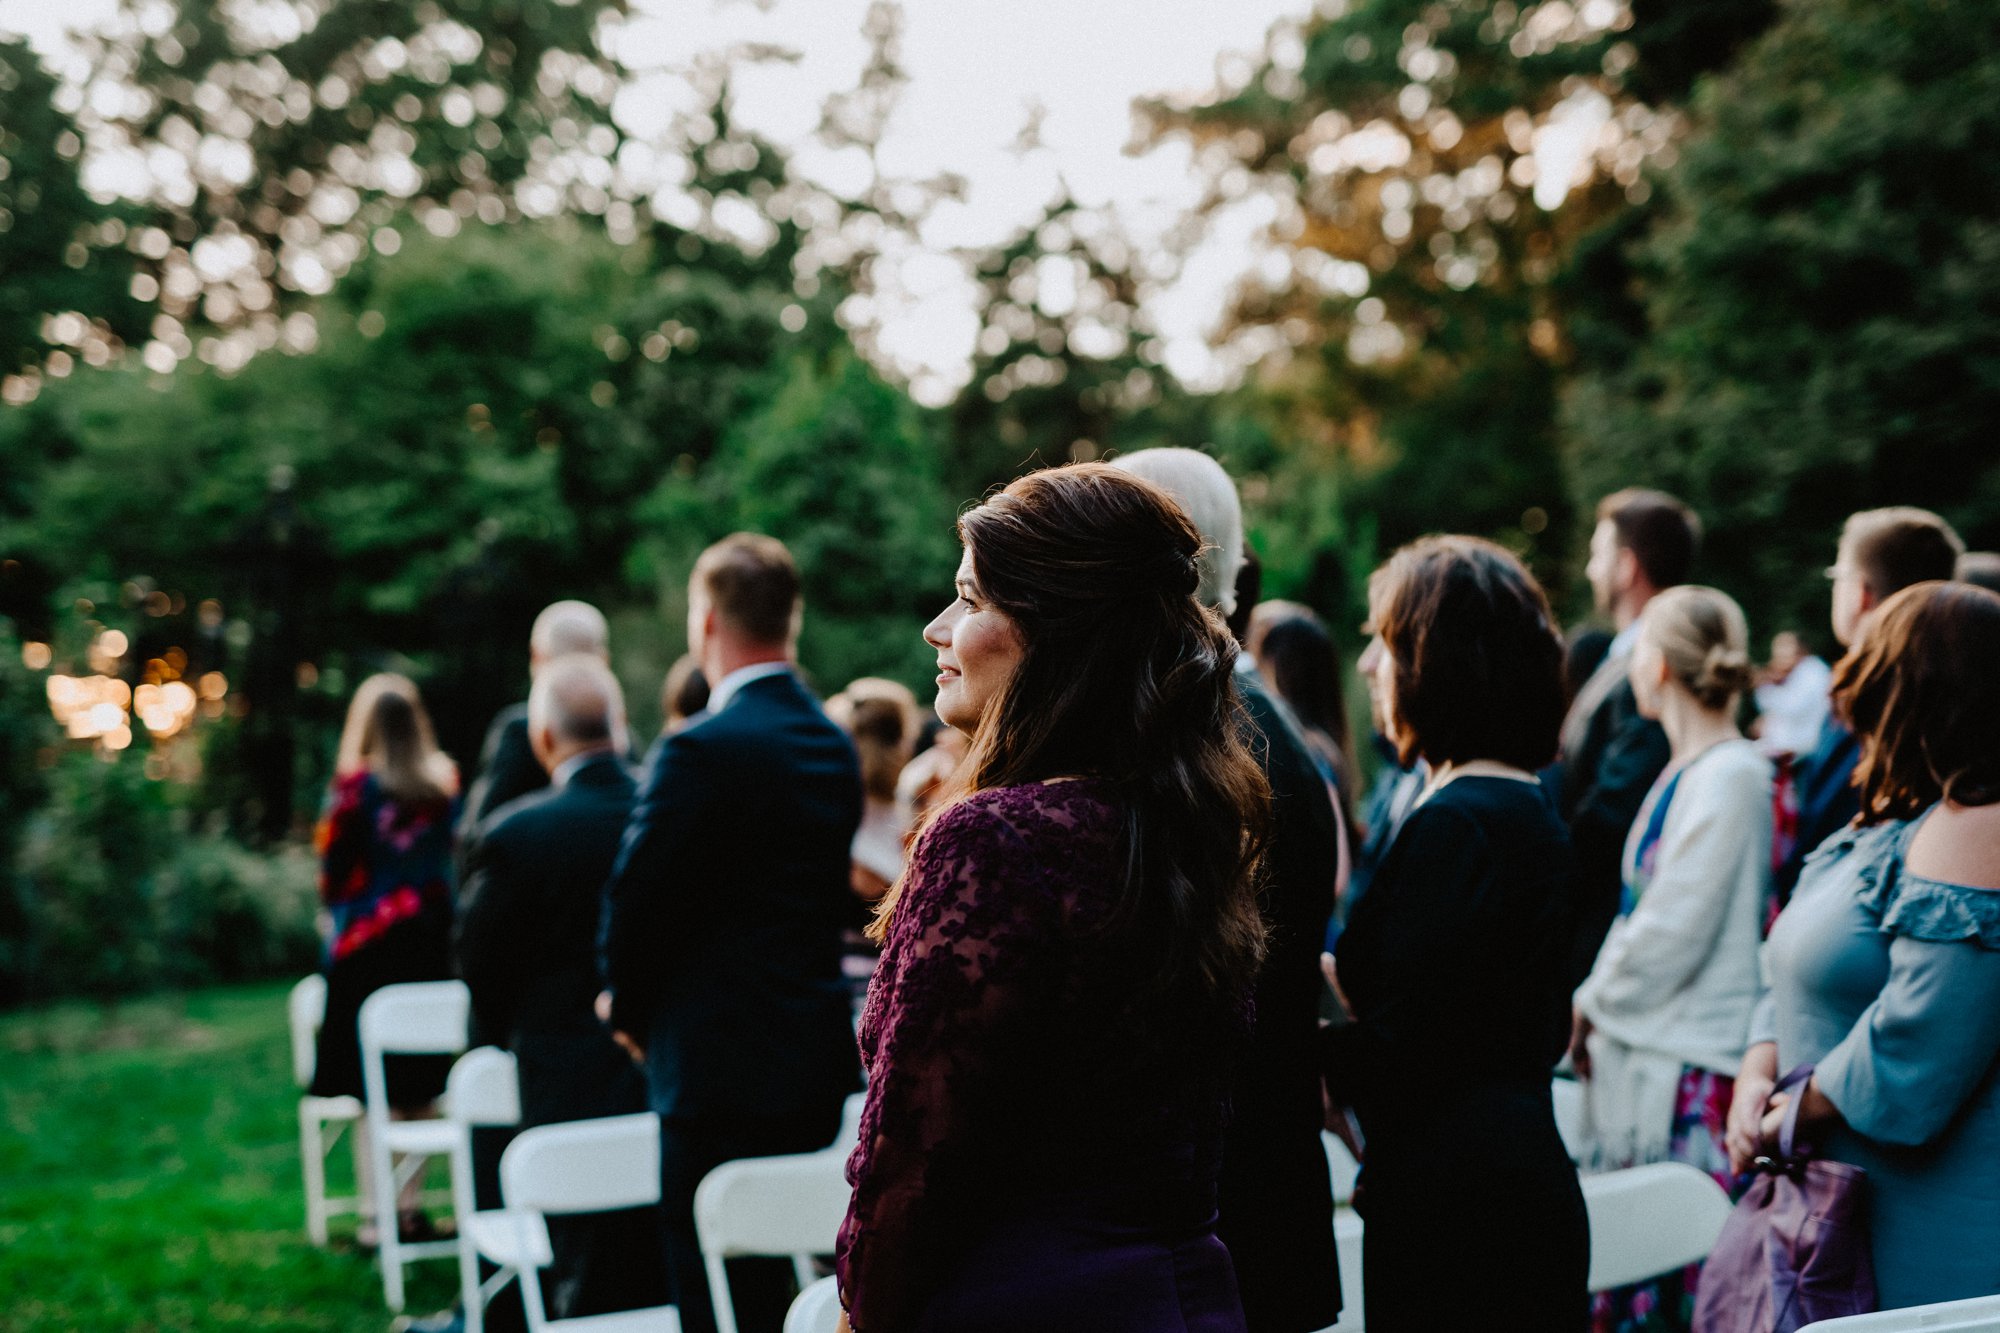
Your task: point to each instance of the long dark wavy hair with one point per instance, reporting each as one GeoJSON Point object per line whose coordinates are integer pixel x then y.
{"type": "Point", "coordinates": [1125, 677]}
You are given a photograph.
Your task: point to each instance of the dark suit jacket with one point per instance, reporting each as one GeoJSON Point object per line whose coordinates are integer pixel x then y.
{"type": "Point", "coordinates": [508, 768]}
{"type": "Point", "coordinates": [1828, 802]}
{"type": "Point", "coordinates": [1611, 757]}
{"type": "Point", "coordinates": [527, 941]}
{"type": "Point", "coordinates": [1276, 1203]}
{"type": "Point", "coordinates": [721, 937]}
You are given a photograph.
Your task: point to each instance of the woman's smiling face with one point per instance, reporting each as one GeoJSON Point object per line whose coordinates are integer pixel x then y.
{"type": "Point", "coordinates": [978, 648]}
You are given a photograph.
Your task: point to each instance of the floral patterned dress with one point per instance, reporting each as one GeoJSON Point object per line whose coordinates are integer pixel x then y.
{"type": "Point", "coordinates": [385, 879]}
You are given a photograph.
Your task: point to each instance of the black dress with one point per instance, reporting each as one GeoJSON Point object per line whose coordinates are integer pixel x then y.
{"type": "Point", "coordinates": [1456, 965]}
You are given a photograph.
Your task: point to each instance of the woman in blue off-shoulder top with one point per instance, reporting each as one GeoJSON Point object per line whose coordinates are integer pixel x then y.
{"type": "Point", "coordinates": [1885, 967]}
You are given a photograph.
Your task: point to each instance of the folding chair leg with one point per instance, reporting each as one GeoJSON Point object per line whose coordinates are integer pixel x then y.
{"type": "Point", "coordinates": [472, 1296]}
{"type": "Point", "coordinates": [312, 1159]}
{"type": "Point", "coordinates": [364, 1183]}
{"type": "Point", "coordinates": [389, 1250]}
{"type": "Point", "coordinates": [530, 1278]}
{"type": "Point", "coordinates": [718, 1294]}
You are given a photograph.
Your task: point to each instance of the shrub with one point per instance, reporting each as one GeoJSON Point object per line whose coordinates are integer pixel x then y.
{"type": "Point", "coordinates": [117, 898]}
{"type": "Point", "coordinates": [26, 735]}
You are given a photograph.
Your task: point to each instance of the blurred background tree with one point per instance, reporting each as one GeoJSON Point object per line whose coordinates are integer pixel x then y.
{"type": "Point", "coordinates": [846, 468]}
{"type": "Point", "coordinates": [1816, 327]}
{"type": "Point", "coordinates": [264, 148]}
{"type": "Point", "coordinates": [58, 245]}
{"type": "Point", "coordinates": [1431, 172]}
{"type": "Point", "coordinates": [372, 336]}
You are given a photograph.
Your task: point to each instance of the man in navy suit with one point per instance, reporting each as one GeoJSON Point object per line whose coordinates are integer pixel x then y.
{"type": "Point", "coordinates": [1275, 1198]}
{"type": "Point", "coordinates": [720, 946]}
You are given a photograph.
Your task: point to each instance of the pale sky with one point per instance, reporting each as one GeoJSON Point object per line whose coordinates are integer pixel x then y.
{"type": "Point", "coordinates": [974, 71]}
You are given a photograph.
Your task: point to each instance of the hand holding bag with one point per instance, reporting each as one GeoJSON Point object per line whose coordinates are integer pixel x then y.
{"type": "Point", "coordinates": [1795, 1248]}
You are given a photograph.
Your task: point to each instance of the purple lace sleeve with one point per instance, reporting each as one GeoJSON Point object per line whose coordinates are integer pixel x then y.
{"type": "Point", "coordinates": [953, 968]}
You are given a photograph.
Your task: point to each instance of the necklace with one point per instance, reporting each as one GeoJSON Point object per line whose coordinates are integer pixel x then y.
{"type": "Point", "coordinates": [1475, 768]}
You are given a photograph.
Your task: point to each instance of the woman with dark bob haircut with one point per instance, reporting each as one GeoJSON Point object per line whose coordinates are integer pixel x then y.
{"type": "Point", "coordinates": [1069, 955]}
{"type": "Point", "coordinates": [1454, 968]}
{"type": "Point", "coordinates": [1885, 964]}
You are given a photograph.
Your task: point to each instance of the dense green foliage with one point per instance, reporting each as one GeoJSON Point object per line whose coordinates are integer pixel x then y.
{"type": "Point", "coordinates": [487, 424]}
{"type": "Point", "coordinates": [435, 363]}
{"type": "Point", "coordinates": [1821, 297]}
{"type": "Point", "coordinates": [1771, 288]}
{"type": "Point", "coordinates": [1407, 367]}
{"type": "Point", "coordinates": [114, 889]}
{"type": "Point", "coordinates": [54, 238]}
{"type": "Point", "coordinates": [26, 735]}
{"type": "Point", "coordinates": [149, 1177]}
{"type": "Point", "coordinates": [843, 466]}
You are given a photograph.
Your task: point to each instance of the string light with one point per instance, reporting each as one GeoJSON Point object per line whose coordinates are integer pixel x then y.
{"type": "Point", "coordinates": [102, 708]}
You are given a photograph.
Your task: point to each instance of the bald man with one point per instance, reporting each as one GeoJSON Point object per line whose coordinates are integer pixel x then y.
{"type": "Point", "coordinates": [1275, 1197]}
{"type": "Point", "coordinates": [507, 766]}
{"type": "Point", "coordinates": [527, 948]}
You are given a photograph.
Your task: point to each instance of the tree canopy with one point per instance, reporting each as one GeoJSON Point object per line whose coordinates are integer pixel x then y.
{"type": "Point", "coordinates": [1819, 297]}
{"type": "Point", "coordinates": [505, 352]}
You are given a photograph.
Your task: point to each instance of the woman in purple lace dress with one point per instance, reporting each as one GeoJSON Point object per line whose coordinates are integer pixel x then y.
{"type": "Point", "coordinates": [1069, 955]}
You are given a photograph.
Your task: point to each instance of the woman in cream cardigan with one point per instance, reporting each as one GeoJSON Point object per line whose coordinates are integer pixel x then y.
{"type": "Point", "coordinates": [1662, 1020]}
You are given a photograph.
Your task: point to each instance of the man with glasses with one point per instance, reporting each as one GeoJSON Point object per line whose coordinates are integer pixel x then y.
{"type": "Point", "coordinates": [1882, 552]}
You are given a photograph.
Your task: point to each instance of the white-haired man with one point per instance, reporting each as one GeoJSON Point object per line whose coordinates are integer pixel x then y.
{"type": "Point", "coordinates": [1275, 1197]}
{"type": "Point", "coordinates": [507, 766]}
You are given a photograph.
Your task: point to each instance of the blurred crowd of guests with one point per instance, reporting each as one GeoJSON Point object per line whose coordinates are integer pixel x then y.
{"type": "Point", "coordinates": [1091, 911]}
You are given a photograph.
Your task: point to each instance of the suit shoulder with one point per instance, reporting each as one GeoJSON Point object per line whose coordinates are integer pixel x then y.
{"type": "Point", "coordinates": [518, 817]}
{"type": "Point", "coordinates": [772, 721]}
{"type": "Point", "coordinates": [509, 721]}
{"type": "Point", "coordinates": [1452, 814]}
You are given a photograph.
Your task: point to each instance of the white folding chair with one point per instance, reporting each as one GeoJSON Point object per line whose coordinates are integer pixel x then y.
{"type": "Point", "coordinates": [1979, 1314]}
{"type": "Point", "coordinates": [483, 1090]}
{"type": "Point", "coordinates": [817, 1310]}
{"type": "Point", "coordinates": [1650, 1220]}
{"type": "Point", "coordinates": [850, 1125]}
{"type": "Point", "coordinates": [1347, 1239]}
{"type": "Point", "coordinates": [1341, 1169]}
{"type": "Point", "coordinates": [791, 1205]}
{"type": "Point", "coordinates": [1567, 1094]}
{"type": "Point", "coordinates": [412, 1018]}
{"type": "Point", "coordinates": [584, 1166]}
{"type": "Point", "coordinates": [307, 1009]}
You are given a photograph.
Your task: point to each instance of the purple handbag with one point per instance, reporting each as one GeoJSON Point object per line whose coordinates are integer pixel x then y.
{"type": "Point", "coordinates": [1795, 1248]}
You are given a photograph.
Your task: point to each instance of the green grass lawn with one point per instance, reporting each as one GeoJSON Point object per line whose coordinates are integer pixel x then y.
{"type": "Point", "coordinates": [149, 1176]}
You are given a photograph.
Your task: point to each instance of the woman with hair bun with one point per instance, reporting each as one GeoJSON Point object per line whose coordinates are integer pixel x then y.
{"type": "Point", "coordinates": [1663, 1019]}
{"type": "Point", "coordinates": [1069, 955]}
